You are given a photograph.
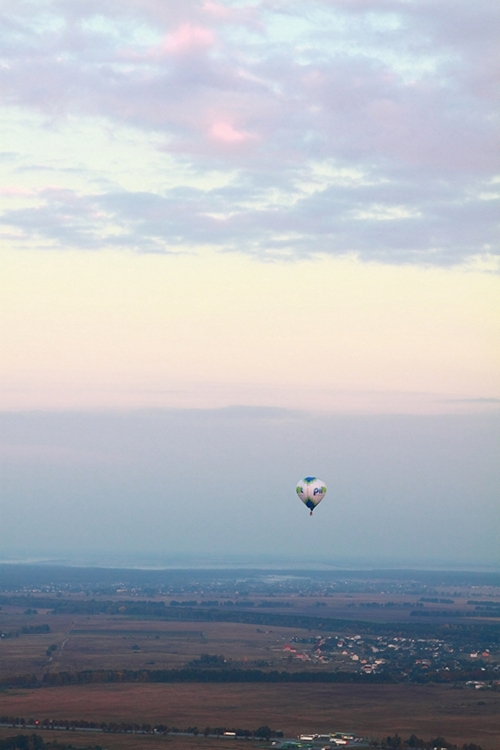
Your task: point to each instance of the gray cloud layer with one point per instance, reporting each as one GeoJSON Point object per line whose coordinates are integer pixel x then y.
{"type": "Point", "coordinates": [397, 97]}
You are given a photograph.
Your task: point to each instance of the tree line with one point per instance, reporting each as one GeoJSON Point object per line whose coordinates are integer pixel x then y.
{"type": "Point", "coordinates": [187, 674]}
{"type": "Point", "coordinates": [35, 742]}
{"type": "Point", "coordinates": [263, 732]}
{"type": "Point", "coordinates": [227, 674]}
{"type": "Point", "coordinates": [26, 630]}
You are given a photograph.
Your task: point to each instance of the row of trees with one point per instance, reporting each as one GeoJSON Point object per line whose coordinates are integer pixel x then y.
{"type": "Point", "coordinates": [193, 674]}
{"type": "Point", "coordinates": [262, 732]}
{"type": "Point", "coordinates": [26, 630]}
{"type": "Point", "coordinates": [35, 742]}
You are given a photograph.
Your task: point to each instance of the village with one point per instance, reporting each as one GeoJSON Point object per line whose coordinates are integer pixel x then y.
{"type": "Point", "coordinates": [402, 656]}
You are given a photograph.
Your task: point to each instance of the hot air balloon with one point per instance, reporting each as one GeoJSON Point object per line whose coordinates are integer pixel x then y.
{"type": "Point", "coordinates": [311, 491]}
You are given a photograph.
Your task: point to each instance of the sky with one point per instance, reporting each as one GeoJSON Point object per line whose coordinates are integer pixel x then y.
{"type": "Point", "coordinates": [240, 243]}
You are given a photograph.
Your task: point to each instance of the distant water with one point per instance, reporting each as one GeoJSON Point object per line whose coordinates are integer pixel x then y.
{"type": "Point", "coordinates": [261, 562]}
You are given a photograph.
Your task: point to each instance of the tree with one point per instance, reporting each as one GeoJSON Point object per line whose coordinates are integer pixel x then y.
{"type": "Point", "coordinates": [263, 733]}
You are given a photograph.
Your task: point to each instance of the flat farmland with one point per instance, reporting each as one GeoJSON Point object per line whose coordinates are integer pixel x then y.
{"type": "Point", "coordinates": [100, 642]}
{"type": "Point", "coordinates": [460, 715]}
{"type": "Point", "coordinates": [78, 642]}
{"type": "Point", "coordinates": [166, 645]}
{"type": "Point", "coordinates": [404, 635]}
{"type": "Point", "coordinates": [378, 608]}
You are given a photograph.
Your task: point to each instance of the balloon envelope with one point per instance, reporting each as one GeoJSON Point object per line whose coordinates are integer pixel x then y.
{"type": "Point", "coordinates": [311, 491]}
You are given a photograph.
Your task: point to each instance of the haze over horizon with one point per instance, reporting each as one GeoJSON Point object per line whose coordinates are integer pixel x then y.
{"type": "Point", "coordinates": [214, 484]}
{"type": "Point", "coordinates": [243, 242]}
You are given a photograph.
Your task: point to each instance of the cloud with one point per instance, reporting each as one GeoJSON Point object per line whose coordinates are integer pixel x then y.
{"type": "Point", "coordinates": [224, 131]}
{"type": "Point", "coordinates": [401, 92]}
{"type": "Point", "coordinates": [217, 9]}
{"type": "Point", "coordinates": [187, 38]}
{"type": "Point", "coordinates": [354, 103]}
{"type": "Point", "coordinates": [477, 400]}
{"type": "Point", "coordinates": [11, 190]}
{"type": "Point", "coordinates": [406, 220]}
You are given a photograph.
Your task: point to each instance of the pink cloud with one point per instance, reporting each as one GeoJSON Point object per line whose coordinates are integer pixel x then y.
{"type": "Point", "coordinates": [222, 130]}
{"type": "Point", "coordinates": [188, 37]}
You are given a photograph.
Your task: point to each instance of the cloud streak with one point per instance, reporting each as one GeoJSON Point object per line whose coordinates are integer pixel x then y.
{"type": "Point", "coordinates": [405, 220]}
{"type": "Point", "coordinates": [398, 95]}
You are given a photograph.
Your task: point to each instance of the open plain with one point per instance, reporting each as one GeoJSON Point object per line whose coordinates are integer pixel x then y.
{"type": "Point", "coordinates": [408, 655]}
{"type": "Point", "coordinates": [426, 710]}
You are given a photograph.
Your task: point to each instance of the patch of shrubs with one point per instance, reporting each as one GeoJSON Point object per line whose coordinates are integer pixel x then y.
{"type": "Point", "coordinates": [437, 743]}
{"type": "Point", "coordinates": [35, 742]}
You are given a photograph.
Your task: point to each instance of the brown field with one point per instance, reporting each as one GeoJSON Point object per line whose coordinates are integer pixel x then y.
{"type": "Point", "coordinates": [460, 715]}
{"type": "Point", "coordinates": [122, 642]}
{"type": "Point", "coordinates": [102, 642]}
